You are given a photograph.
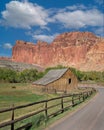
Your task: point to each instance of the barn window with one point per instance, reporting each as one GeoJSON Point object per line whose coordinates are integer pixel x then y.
{"type": "Point", "coordinates": [69, 81]}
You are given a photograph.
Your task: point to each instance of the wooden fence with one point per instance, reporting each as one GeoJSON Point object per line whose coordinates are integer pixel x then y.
{"type": "Point", "coordinates": [72, 100]}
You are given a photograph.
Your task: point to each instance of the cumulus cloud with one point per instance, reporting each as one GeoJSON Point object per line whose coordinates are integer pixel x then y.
{"type": "Point", "coordinates": [24, 15]}
{"type": "Point", "coordinates": [80, 18]}
{"type": "Point", "coordinates": [46, 38]}
{"type": "Point", "coordinates": [7, 46]}
{"type": "Point", "coordinates": [76, 7]}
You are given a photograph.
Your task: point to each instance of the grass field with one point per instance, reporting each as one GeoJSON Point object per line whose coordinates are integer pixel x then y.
{"type": "Point", "coordinates": [23, 93]}
{"type": "Point", "coordinates": [17, 94]}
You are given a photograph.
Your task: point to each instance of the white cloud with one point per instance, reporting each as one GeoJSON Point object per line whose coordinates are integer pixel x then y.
{"type": "Point", "coordinates": [80, 18]}
{"type": "Point", "coordinates": [76, 7]}
{"type": "Point", "coordinates": [7, 46]}
{"type": "Point", "coordinates": [24, 15]}
{"type": "Point", "coordinates": [46, 38]}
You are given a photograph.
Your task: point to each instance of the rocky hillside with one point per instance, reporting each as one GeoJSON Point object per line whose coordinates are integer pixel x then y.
{"type": "Point", "coordinates": [82, 50]}
{"type": "Point", "coordinates": [18, 66]}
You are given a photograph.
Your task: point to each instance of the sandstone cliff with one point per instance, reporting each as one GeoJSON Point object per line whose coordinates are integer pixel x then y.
{"type": "Point", "coordinates": [82, 50]}
{"type": "Point", "coordinates": [95, 58]}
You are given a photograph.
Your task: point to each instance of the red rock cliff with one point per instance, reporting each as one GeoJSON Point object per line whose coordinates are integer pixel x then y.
{"type": "Point", "coordinates": [69, 49]}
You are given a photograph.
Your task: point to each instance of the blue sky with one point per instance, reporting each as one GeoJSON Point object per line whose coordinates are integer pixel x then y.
{"type": "Point", "coordinates": [32, 20]}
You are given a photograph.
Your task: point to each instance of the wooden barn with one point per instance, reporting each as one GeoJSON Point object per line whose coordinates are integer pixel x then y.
{"type": "Point", "coordinates": [57, 80]}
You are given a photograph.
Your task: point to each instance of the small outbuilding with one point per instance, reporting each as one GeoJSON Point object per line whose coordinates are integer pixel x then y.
{"type": "Point", "coordinates": [57, 80]}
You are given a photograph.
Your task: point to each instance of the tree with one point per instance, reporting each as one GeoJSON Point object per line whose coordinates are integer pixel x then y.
{"type": "Point", "coordinates": [28, 75]}
{"type": "Point", "coordinates": [7, 75]}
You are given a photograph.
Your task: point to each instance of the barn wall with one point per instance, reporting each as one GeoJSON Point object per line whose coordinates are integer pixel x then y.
{"type": "Point", "coordinates": [63, 83]}
{"type": "Point", "coordinates": [45, 89]}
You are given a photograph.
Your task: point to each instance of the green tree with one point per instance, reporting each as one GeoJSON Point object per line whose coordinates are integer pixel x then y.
{"type": "Point", "coordinates": [28, 75]}
{"type": "Point", "coordinates": [7, 75]}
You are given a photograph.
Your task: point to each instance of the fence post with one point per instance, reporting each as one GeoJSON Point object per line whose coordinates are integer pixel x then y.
{"type": "Point", "coordinates": [12, 125]}
{"type": "Point", "coordinates": [73, 100]}
{"type": "Point", "coordinates": [46, 112]}
{"type": "Point", "coordinates": [79, 98]}
{"type": "Point", "coordinates": [87, 94]}
{"type": "Point", "coordinates": [83, 97]}
{"type": "Point", "coordinates": [55, 91]}
{"type": "Point", "coordinates": [62, 105]}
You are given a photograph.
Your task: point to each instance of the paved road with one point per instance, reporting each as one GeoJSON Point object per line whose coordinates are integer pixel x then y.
{"type": "Point", "coordinates": [90, 117]}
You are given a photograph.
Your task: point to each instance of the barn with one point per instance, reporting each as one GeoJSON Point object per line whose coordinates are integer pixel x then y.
{"type": "Point", "coordinates": [57, 80]}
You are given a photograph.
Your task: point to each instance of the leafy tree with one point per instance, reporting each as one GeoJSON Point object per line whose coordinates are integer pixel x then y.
{"type": "Point", "coordinates": [28, 75]}
{"type": "Point", "coordinates": [7, 75]}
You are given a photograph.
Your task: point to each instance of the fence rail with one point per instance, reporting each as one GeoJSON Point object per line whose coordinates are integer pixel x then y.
{"type": "Point", "coordinates": [73, 100]}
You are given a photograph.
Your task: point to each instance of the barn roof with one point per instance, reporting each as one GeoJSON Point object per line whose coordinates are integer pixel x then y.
{"type": "Point", "coordinates": [51, 76]}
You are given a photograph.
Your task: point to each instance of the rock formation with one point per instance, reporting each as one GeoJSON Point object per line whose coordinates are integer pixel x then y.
{"type": "Point", "coordinates": [76, 49]}
{"type": "Point", "coordinates": [4, 63]}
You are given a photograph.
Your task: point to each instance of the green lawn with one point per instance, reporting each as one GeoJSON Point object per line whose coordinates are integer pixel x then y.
{"type": "Point", "coordinates": [17, 94]}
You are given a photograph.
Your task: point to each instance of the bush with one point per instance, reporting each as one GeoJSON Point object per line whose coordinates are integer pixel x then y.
{"type": "Point", "coordinates": [92, 75]}
{"type": "Point", "coordinates": [12, 76]}
{"type": "Point", "coordinates": [7, 75]}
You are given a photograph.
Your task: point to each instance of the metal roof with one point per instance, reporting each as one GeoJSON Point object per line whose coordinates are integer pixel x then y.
{"type": "Point", "coordinates": [51, 76]}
